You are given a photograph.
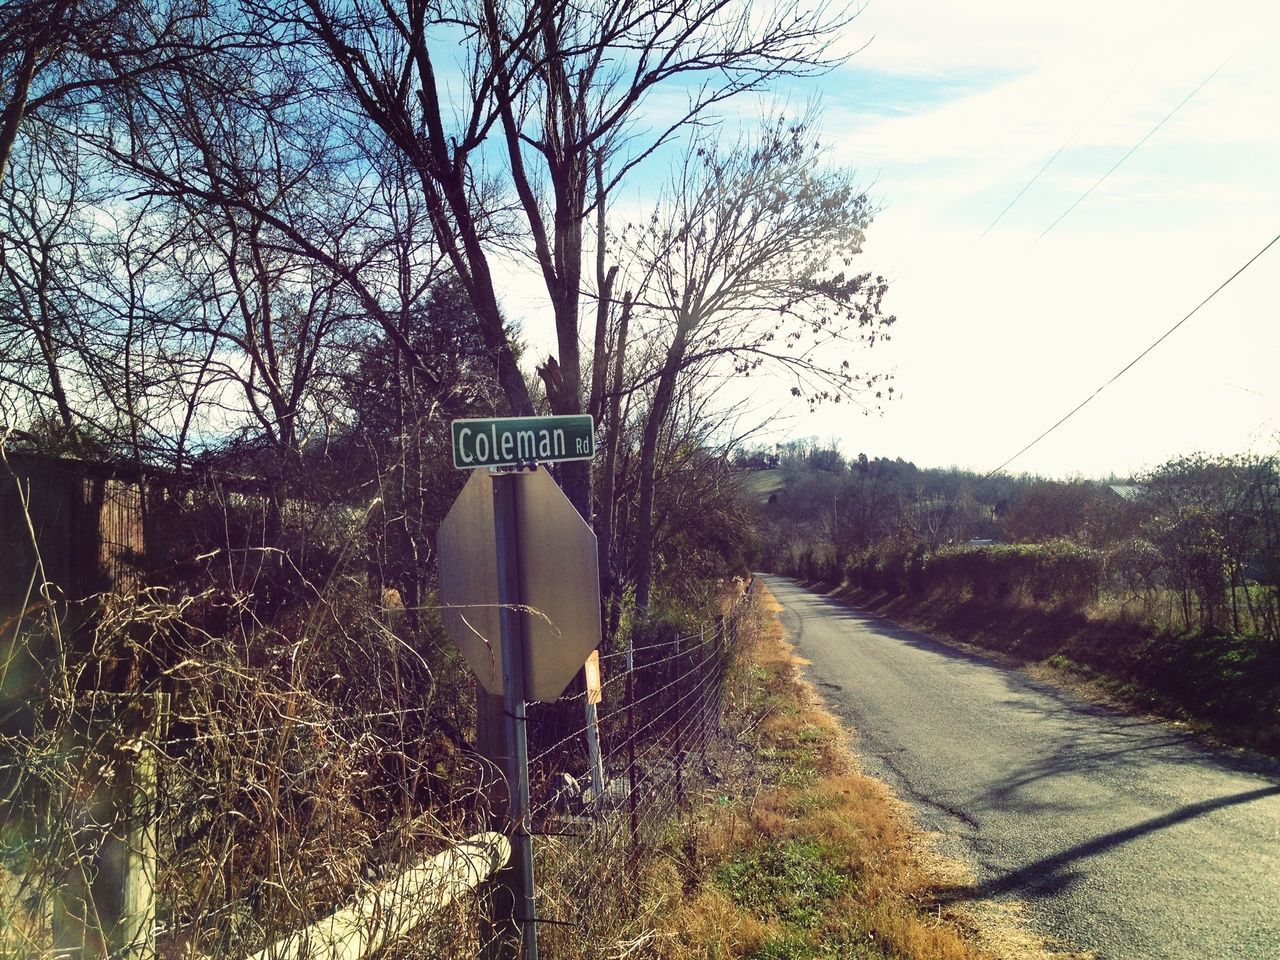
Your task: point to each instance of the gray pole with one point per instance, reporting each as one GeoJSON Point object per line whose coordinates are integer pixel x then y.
{"type": "Point", "coordinates": [510, 619]}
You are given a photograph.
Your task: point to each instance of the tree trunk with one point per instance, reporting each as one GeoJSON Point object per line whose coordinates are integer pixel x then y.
{"type": "Point", "coordinates": [607, 518]}
{"type": "Point", "coordinates": [662, 399]}
{"type": "Point", "coordinates": [15, 109]}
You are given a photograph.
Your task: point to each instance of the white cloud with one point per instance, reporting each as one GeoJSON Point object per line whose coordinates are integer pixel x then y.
{"type": "Point", "coordinates": [942, 37]}
{"type": "Point", "coordinates": [998, 336]}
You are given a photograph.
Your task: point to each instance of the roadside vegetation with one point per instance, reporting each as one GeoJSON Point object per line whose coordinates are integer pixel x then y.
{"type": "Point", "coordinates": [793, 854]}
{"type": "Point", "coordinates": [1161, 591]}
{"type": "Point", "coordinates": [253, 261]}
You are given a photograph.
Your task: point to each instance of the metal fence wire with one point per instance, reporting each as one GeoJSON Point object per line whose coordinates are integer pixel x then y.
{"type": "Point", "coordinates": [242, 797]}
{"type": "Point", "coordinates": [657, 721]}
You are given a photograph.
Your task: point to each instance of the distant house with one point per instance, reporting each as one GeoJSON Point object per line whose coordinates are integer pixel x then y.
{"type": "Point", "coordinates": [1126, 491]}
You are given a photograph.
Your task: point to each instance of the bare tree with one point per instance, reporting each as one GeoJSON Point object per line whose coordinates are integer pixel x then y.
{"type": "Point", "coordinates": [748, 258]}
{"type": "Point", "coordinates": [60, 57]}
{"type": "Point", "coordinates": [38, 234]}
{"type": "Point", "coordinates": [561, 84]}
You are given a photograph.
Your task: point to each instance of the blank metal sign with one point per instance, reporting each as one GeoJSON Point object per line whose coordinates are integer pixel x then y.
{"type": "Point", "coordinates": [559, 582]}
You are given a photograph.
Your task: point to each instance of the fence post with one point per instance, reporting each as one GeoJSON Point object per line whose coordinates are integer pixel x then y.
{"type": "Point", "coordinates": [138, 924]}
{"type": "Point", "coordinates": [631, 747]}
{"type": "Point", "coordinates": [681, 692]}
{"type": "Point", "coordinates": [718, 700]}
{"type": "Point", "coordinates": [107, 905]}
{"type": "Point", "coordinates": [595, 758]}
{"type": "Point", "coordinates": [594, 694]}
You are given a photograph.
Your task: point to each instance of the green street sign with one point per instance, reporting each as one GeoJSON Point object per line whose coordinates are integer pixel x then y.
{"type": "Point", "coordinates": [512, 441]}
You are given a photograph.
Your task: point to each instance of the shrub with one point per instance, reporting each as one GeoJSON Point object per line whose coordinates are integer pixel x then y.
{"type": "Point", "coordinates": [915, 562]}
{"type": "Point", "coordinates": [860, 570]}
{"type": "Point", "coordinates": [1134, 569]}
{"type": "Point", "coordinates": [1059, 572]}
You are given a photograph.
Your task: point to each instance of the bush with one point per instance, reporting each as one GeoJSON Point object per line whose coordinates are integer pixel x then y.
{"type": "Point", "coordinates": [1135, 569]}
{"type": "Point", "coordinates": [1059, 572]}
{"type": "Point", "coordinates": [915, 563]}
{"type": "Point", "coordinates": [860, 569]}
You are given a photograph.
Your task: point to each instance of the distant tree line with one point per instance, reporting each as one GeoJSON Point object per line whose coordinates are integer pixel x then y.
{"type": "Point", "coordinates": [1193, 544]}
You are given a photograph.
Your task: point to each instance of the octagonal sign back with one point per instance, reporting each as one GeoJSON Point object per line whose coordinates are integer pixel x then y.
{"type": "Point", "coordinates": [558, 576]}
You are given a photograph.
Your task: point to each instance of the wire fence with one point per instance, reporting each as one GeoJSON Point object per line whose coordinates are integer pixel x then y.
{"type": "Point", "coordinates": [244, 793]}
{"type": "Point", "coordinates": [659, 719]}
{"type": "Point", "coordinates": [203, 757]}
{"type": "Point", "coordinates": [659, 715]}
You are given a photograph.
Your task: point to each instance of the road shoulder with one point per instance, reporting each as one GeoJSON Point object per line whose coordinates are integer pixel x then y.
{"type": "Point", "coordinates": [809, 857]}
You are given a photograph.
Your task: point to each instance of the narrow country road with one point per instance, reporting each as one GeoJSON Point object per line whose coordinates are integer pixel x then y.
{"type": "Point", "coordinates": [1119, 833]}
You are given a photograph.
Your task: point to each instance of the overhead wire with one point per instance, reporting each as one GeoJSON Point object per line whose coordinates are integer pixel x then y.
{"type": "Point", "coordinates": [1132, 150]}
{"type": "Point", "coordinates": [1066, 143]}
{"type": "Point", "coordinates": [1132, 363]}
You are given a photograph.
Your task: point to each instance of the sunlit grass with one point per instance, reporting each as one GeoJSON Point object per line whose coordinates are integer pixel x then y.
{"type": "Point", "coordinates": [806, 858]}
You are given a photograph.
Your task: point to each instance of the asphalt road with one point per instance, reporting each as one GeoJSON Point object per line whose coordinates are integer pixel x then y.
{"type": "Point", "coordinates": [1120, 834]}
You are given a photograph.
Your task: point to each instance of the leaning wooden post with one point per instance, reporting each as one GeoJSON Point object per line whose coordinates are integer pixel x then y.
{"type": "Point", "coordinates": [594, 695]}
{"type": "Point", "coordinates": [395, 908]}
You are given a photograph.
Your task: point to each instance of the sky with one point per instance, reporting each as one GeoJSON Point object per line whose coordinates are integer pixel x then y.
{"type": "Point", "coordinates": [1010, 313]}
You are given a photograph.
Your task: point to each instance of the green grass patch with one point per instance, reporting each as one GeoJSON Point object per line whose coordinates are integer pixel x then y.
{"type": "Point", "coordinates": [761, 483]}
{"type": "Point", "coordinates": [793, 881]}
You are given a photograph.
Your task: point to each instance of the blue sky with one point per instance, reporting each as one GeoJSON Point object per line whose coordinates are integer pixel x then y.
{"type": "Point", "coordinates": [947, 111]}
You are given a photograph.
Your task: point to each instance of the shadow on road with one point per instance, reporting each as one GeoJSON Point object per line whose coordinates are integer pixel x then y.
{"type": "Point", "coordinates": [1052, 874]}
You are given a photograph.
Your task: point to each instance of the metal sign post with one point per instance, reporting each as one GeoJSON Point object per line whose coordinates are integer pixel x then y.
{"type": "Point", "coordinates": [511, 632]}
{"type": "Point", "coordinates": [520, 595]}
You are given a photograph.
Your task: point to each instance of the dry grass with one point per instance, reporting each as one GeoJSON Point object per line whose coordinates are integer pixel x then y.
{"type": "Point", "coordinates": [803, 856]}
{"type": "Point", "coordinates": [1217, 687]}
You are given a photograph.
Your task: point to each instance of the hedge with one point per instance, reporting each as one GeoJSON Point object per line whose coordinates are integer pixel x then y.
{"type": "Point", "coordinates": [1059, 572]}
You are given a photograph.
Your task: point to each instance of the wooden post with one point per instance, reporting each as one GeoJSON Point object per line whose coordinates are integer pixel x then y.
{"type": "Point", "coordinates": [393, 909]}
{"type": "Point", "coordinates": [594, 757]}
{"type": "Point", "coordinates": [107, 906]}
{"type": "Point", "coordinates": [138, 923]}
{"type": "Point", "coordinates": [593, 694]}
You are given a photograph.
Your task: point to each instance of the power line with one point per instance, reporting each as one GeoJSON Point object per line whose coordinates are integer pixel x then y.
{"type": "Point", "coordinates": [1132, 150]}
{"type": "Point", "coordinates": [1132, 363]}
{"type": "Point", "coordinates": [1066, 143]}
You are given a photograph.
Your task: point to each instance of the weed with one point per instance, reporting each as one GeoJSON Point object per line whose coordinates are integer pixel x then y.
{"type": "Point", "coordinates": [790, 947]}
{"type": "Point", "coordinates": [791, 881]}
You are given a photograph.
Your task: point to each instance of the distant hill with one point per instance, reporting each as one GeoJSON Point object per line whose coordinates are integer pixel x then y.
{"type": "Point", "coordinates": [761, 483]}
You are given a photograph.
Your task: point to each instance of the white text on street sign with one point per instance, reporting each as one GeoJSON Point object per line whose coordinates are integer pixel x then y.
{"type": "Point", "coordinates": [513, 441]}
